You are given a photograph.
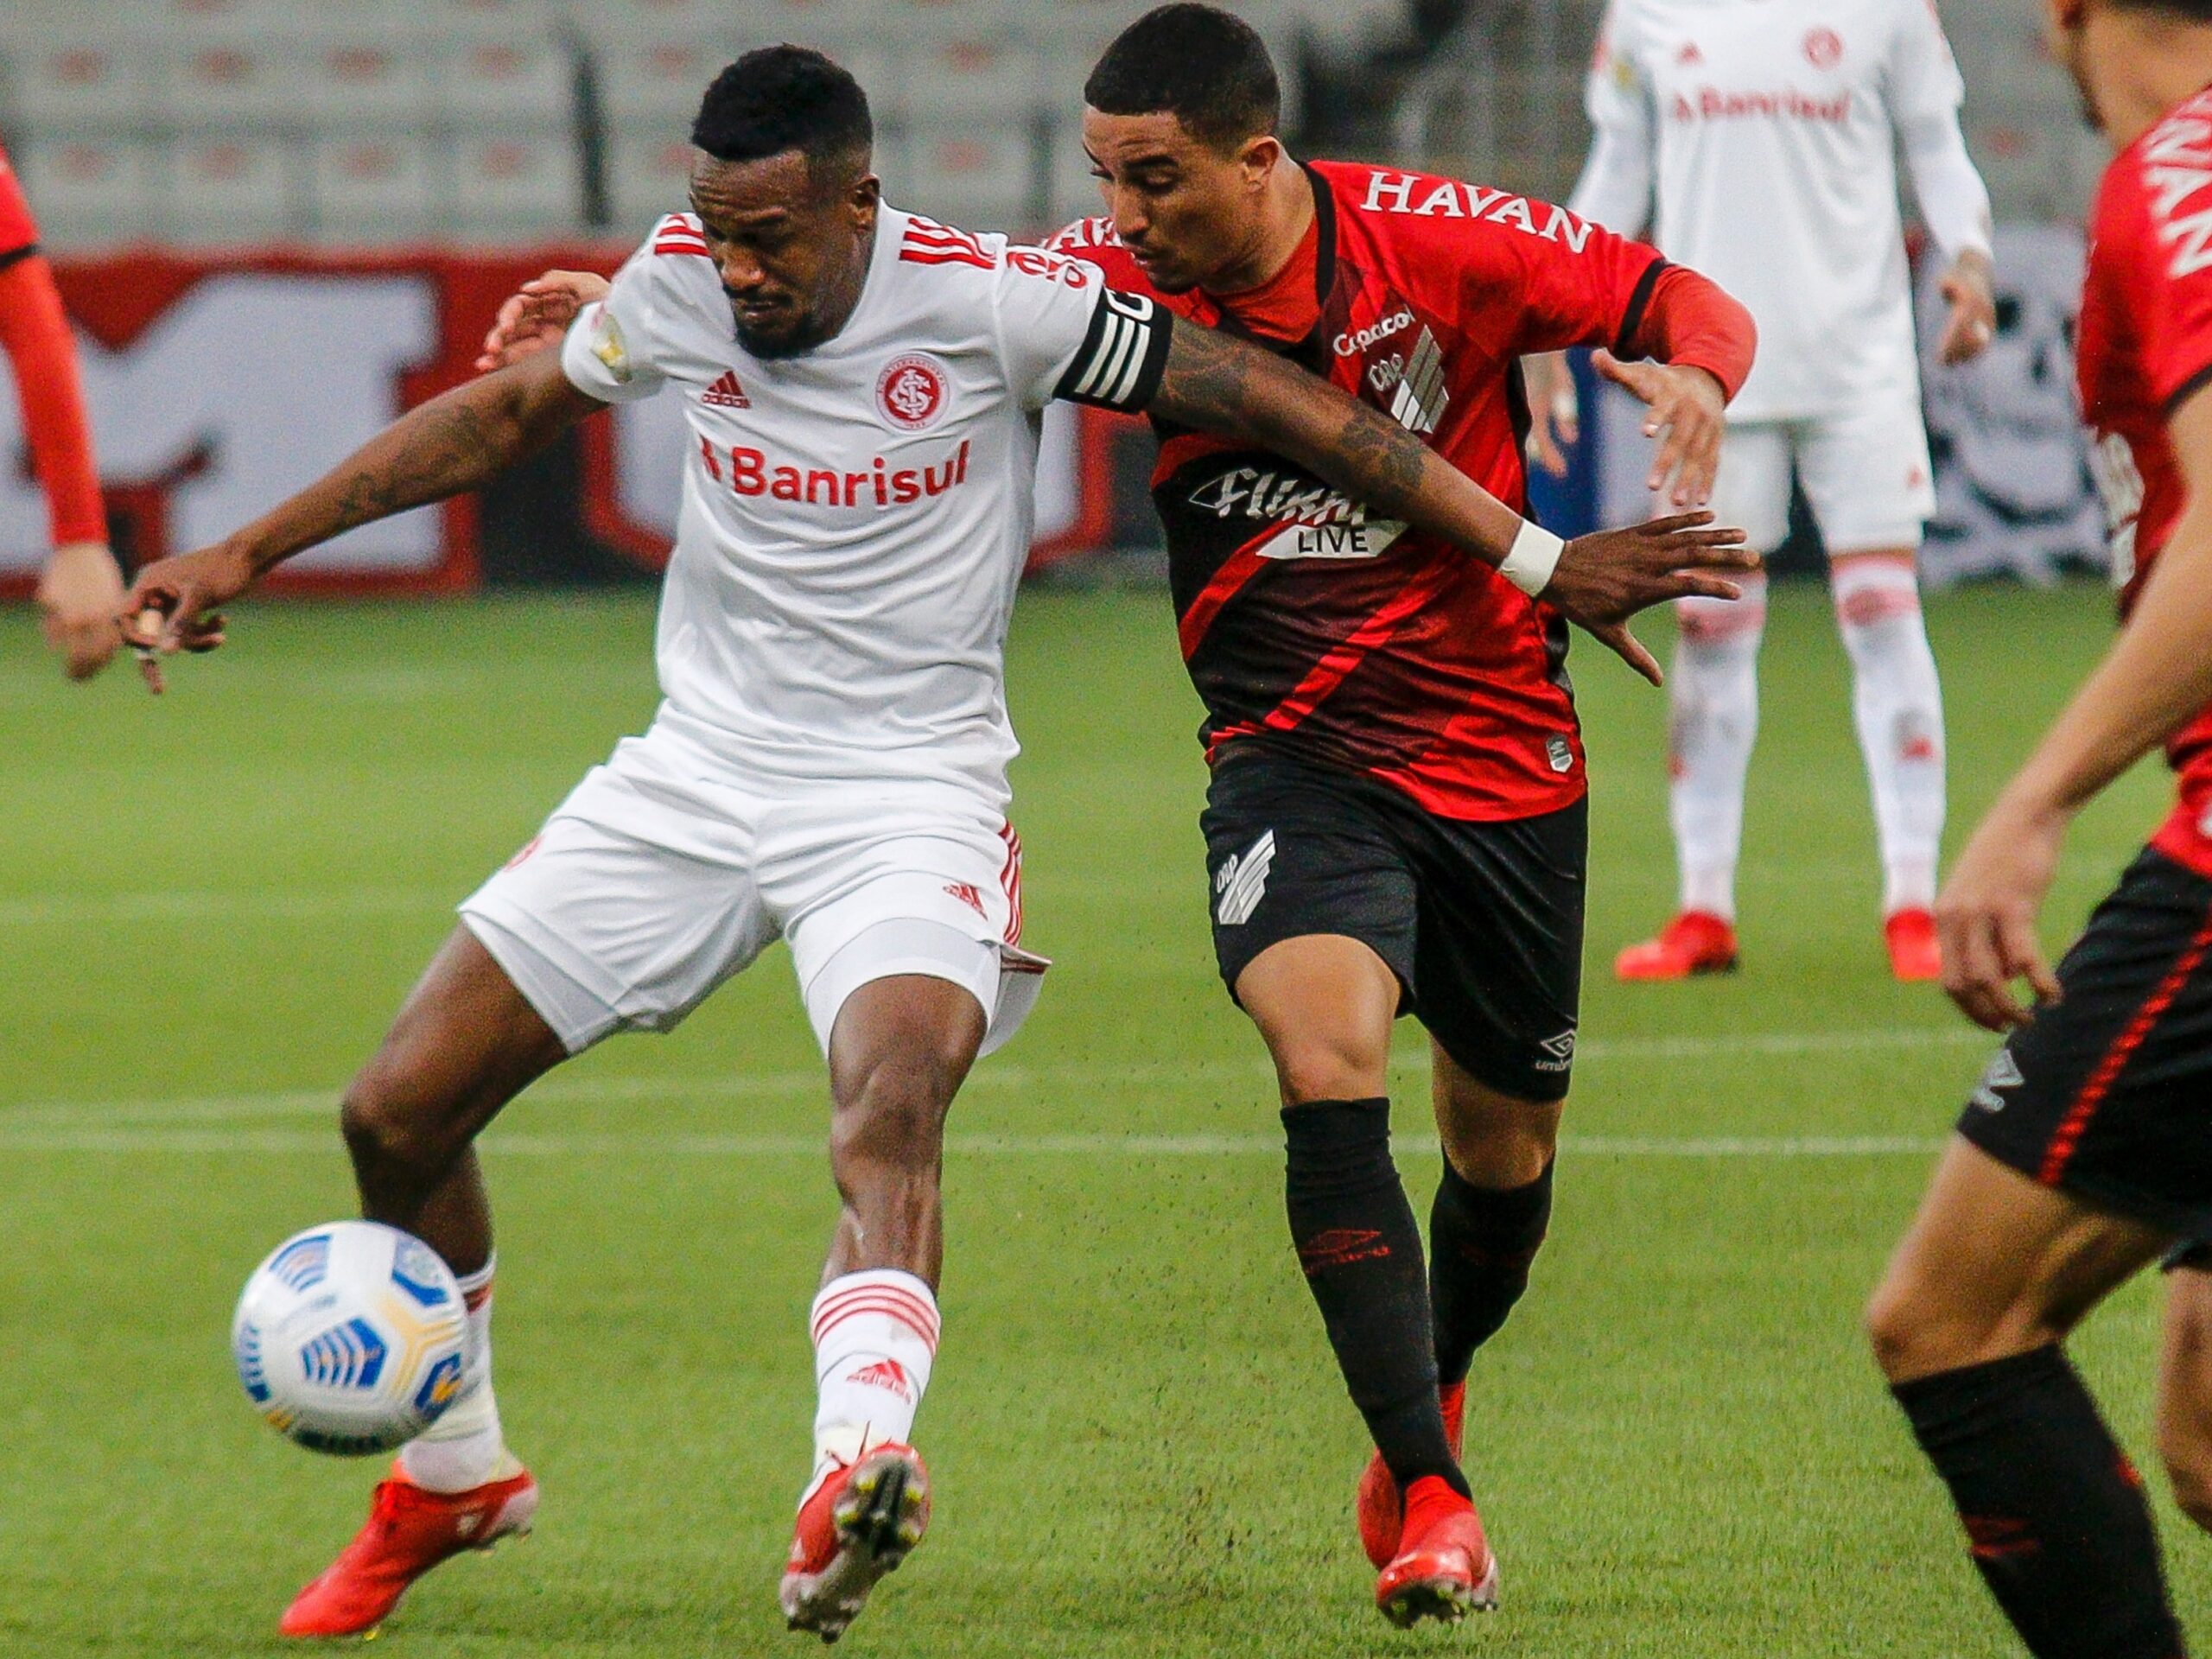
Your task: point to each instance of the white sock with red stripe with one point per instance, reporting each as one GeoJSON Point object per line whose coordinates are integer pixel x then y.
{"type": "Point", "coordinates": [1714, 717]}
{"type": "Point", "coordinates": [874, 1337]}
{"type": "Point", "coordinates": [464, 1448]}
{"type": "Point", "coordinates": [1898, 705]}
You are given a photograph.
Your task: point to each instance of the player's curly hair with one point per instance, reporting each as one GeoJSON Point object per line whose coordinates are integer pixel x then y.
{"type": "Point", "coordinates": [1203, 65]}
{"type": "Point", "coordinates": [784, 97]}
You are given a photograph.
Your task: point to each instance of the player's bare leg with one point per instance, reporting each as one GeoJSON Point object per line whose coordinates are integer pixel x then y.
{"type": "Point", "coordinates": [1968, 1325]}
{"type": "Point", "coordinates": [2185, 1389]}
{"type": "Point", "coordinates": [1897, 703]}
{"type": "Point", "coordinates": [465, 1043]}
{"type": "Point", "coordinates": [1491, 1214]}
{"type": "Point", "coordinates": [1324, 1004]}
{"type": "Point", "coordinates": [899, 1052]}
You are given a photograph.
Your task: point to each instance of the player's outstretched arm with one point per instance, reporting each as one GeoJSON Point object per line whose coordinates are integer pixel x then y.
{"type": "Point", "coordinates": [455, 442]}
{"type": "Point", "coordinates": [2158, 675]}
{"type": "Point", "coordinates": [1227, 385]}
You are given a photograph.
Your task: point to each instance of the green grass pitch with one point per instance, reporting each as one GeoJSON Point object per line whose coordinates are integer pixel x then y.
{"type": "Point", "coordinates": [210, 905]}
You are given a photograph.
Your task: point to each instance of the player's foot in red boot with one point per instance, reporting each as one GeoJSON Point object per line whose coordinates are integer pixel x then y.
{"type": "Point", "coordinates": [1445, 1569]}
{"type": "Point", "coordinates": [1381, 1506]}
{"type": "Point", "coordinates": [857, 1524]}
{"type": "Point", "coordinates": [1695, 942]}
{"type": "Point", "coordinates": [409, 1532]}
{"type": "Point", "coordinates": [1914, 955]}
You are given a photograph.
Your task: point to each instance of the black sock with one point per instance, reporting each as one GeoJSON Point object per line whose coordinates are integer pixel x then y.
{"type": "Point", "coordinates": [2054, 1513]}
{"type": "Point", "coordinates": [1480, 1243]}
{"type": "Point", "coordinates": [1361, 1250]}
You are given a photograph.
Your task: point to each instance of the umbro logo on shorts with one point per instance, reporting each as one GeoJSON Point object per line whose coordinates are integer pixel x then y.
{"type": "Point", "coordinates": [1560, 1051]}
{"type": "Point", "coordinates": [1242, 883]}
{"type": "Point", "coordinates": [2003, 1073]}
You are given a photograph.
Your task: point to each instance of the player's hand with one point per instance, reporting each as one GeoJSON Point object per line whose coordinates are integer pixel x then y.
{"type": "Point", "coordinates": [1967, 289]}
{"type": "Point", "coordinates": [77, 595]}
{"type": "Point", "coordinates": [538, 315]}
{"type": "Point", "coordinates": [1985, 918]}
{"type": "Point", "coordinates": [1554, 410]}
{"type": "Point", "coordinates": [172, 606]}
{"type": "Point", "coordinates": [1687, 415]}
{"type": "Point", "coordinates": [1604, 579]}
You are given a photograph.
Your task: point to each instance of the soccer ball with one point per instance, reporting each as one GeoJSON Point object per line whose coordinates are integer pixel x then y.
{"type": "Point", "coordinates": [349, 1338]}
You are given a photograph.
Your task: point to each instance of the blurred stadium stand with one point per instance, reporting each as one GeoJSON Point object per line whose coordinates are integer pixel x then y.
{"type": "Point", "coordinates": [202, 123]}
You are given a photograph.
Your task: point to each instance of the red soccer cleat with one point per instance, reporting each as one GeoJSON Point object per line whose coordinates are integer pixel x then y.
{"type": "Point", "coordinates": [1695, 942]}
{"type": "Point", "coordinates": [1445, 1570]}
{"type": "Point", "coordinates": [409, 1532]}
{"type": "Point", "coordinates": [1381, 1506]}
{"type": "Point", "coordinates": [1914, 957]}
{"type": "Point", "coordinates": [859, 1523]}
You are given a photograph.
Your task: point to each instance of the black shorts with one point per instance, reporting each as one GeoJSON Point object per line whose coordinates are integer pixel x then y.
{"type": "Point", "coordinates": [2107, 1094]}
{"type": "Point", "coordinates": [1481, 922]}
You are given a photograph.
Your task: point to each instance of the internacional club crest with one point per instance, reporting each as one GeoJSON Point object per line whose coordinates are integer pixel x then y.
{"type": "Point", "coordinates": [912, 391]}
{"type": "Point", "coordinates": [1823, 48]}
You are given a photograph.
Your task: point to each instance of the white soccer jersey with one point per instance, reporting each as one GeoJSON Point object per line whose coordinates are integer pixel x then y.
{"type": "Point", "coordinates": [855, 518]}
{"type": "Point", "coordinates": [1774, 125]}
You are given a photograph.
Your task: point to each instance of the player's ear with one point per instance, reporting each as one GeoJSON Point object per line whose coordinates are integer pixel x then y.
{"type": "Point", "coordinates": [1259, 157]}
{"type": "Point", "coordinates": [865, 197]}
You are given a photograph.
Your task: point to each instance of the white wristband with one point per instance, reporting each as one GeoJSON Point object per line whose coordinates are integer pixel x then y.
{"type": "Point", "coordinates": [1533, 557]}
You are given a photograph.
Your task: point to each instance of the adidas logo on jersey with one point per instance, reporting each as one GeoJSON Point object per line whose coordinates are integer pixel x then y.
{"type": "Point", "coordinates": [1242, 883]}
{"type": "Point", "coordinates": [726, 393]}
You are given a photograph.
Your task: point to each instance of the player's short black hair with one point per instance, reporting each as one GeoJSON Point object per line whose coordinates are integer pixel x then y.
{"type": "Point", "coordinates": [784, 97]}
{"type": "Point", "coordinates": [1203, 65]}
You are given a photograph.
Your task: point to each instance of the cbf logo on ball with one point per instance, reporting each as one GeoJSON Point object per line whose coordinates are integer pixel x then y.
{"type": "Point", "coordinates": [912, 391]}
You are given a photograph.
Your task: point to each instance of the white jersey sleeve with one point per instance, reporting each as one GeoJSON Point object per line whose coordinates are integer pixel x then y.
{"type": "Point", "coordinates": [611, 351]}
{"type": "Point", "coordinates": [1615, 189]}
{"type": "Point", "coordinates": [1062, 333]}
{"type": "Point", "coordinates": [1925, 91]}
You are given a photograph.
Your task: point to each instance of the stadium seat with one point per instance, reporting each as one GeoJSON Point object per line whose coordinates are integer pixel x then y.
{"type": "Point", "coordinates": [515, 184]}
{"type": "Point", "coordinates": [91, 192]}
{"type": "Point", "coordinates": [375, 190]}
{"type": "Point", "coordinates": [647, 176]}
{"type": "Point", "coordinates": [227, 190]}
{"type": "Point", "coordinates": [234, 84]}
{"type": "Point", "coordinates": [654, 85]}
{"type": "Point", "coordinates": [988, 80]}
{"type": "Point", "coordinates": [521, 82]}
{"type": "Point", "coordinates": [79, 81]}
{"type": "Point", "coordinates": [975, 176]}
{"type": "Point", "coordinates": [365, 82]}
{"type": "Point", "coordinates": [517, 21]}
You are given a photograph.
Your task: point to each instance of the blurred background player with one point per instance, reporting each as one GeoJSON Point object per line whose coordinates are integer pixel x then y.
{"type": "Point", "coordinates": [2087, 1150]}
{"type": "Point", "coordinates": [829, 762]}
{"type": "Point", "coordinates": [1767, 130]}
{"type": "Point", "coordinates": [80, 587]}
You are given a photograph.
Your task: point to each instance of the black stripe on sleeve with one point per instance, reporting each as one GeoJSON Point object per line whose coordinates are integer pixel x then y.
{"type": "Point", "coordinates": [1639, 301]}
{"type": "Point", "coordinates": [2189, 389]}
{"type": "Point", "coordinates": [16, 256]}
{"type": "Point", "coordinates": [1120, 362]}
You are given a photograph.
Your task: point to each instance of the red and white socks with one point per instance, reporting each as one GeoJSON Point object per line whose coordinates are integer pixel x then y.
{"type": "Point", "coordinates": [1897, 703]}
{"type": "Point", "coordinates": [464, 1448]}
{"type": "Point", "coordinates": [874, 1338]}
{"type": "Point", "coordinates": [1713, 719]}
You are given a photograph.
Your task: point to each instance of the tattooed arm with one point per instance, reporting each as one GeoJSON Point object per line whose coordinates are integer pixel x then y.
{"type": "Point", "coordinates": [1226, 385]}
{"type": "Point", "coordinates": [455, 442]}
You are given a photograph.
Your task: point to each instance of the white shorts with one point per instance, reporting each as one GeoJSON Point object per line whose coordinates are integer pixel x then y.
{"type": "Point", "coordinates": [665, 872]}
{"type": "Point", "coordinates": [1865, 472]}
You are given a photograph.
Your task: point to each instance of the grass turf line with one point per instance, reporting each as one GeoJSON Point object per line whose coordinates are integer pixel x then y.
{"type": "Point", "coordinates": [1138, 1439]}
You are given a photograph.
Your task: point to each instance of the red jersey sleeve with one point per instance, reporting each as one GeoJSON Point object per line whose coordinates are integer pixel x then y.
{"type": "Point", "coordinates": [1692, 322]}
{"type": "Point", "coordinates": [35, 334]}
{"type": "Point", "coordinates": [1551, 279]}
{"type": "Point", "coordinates": [18, 231]}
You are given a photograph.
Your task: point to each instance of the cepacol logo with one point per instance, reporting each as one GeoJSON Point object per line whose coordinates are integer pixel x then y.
{"type": "Point", "coordinates": [1350, 343]}
{"type": "Point", "coordinates": [754, 472]}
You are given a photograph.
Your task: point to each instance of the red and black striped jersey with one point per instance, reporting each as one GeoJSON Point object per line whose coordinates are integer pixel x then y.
{"type": "Point", "coordinates": [1307, 623]}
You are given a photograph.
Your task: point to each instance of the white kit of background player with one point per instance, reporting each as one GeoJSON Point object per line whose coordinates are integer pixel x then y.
{"type": "Point", "coordinates": [1766, 131]}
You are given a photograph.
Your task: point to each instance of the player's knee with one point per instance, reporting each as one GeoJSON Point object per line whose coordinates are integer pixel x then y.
{"type": "Point", "coordinates": [1318, 1066]}
{"type": "Point", "coordinates": [388, 1130]}
{"type": "Point", "coordinates": [1501, 1154]}
{"type": "Point", "coordinates": [893, 1112]}
{"type": "Point", "coordinates": [1905, 1331]}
